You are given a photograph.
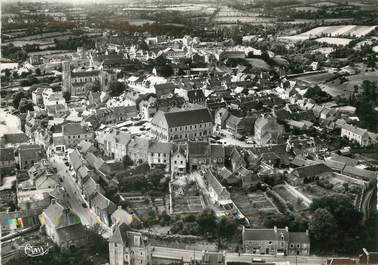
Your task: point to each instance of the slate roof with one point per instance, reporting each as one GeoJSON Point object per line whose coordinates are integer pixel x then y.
{"type": "Point", "coordinates": [84, 74]}
{"type": "Point", "coordinates": [61, 216]}
{"type": "Point", "coordinates": [312, 170]}
{"type": "Point", "coordinates": [76, 159]}
{"type": "Point", "coordinates": [15, 138]}
{"type": "Point", "coordinates": [363, 173]}
{"type": "Point", "coordinates": [74, 129]}
{"type": "Point", "coordinates": [7, 154]}
{"type": "Point", "coordinates": [160, 147]}
{"type": "Point", "coordinates": [32, 151]}
{"type": "Point", "coordinates": [263, 234]}
{"type": "Point", "coordinates": [119, 234]}
{"type": "Point", "coordinates": [215, 184]}
{"type": "Point", "coordinates": [217, 151]}
{"type": "Point", "coordinates": [224, 173]}
{"type": "Point", "coordinates": [198, 148]}
{"type": "Point", "coordinates": [72, 232]}
{"type": "Point", "coordinates": [188, 117]}
{"type": "Point", "coordinates": [299, 237]}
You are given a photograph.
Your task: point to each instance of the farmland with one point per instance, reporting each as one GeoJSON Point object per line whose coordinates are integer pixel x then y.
{"type": "Point", "coordinates": [333, 34]}
{"type": "Point", "coordinates": [334, 41]}
{"type": "Point", "coordinates": [228, 15]}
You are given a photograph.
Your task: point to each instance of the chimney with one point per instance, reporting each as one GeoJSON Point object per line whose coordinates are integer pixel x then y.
{"type": "Point", "coordinates": [98, 187]}
{"type": "Point", "coordinates": [275, 229]}
{"type": "Point", "coordinates": [307, 233]}
{"type": "Point", "coordinates": [287, 229]}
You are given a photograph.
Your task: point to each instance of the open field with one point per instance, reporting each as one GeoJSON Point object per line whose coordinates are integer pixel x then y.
{"type": "Point", "coordinates": [334, 41]}
{"type": "Point", "coordinates": [258, 63]}
{"type": "Point", "coordinates": [352, 31]}
{"type": "Point", "coordinates": [335, 87]}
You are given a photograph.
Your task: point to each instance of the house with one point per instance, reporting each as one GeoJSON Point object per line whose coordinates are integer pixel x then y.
{"type": "Point", "coordinates": [137, 149]}
{"type": "Point", "coordinates": [217, 155]}
{"type": "Point", "coordinates": [275, 241]}
{"type": "Point", "coordinates": [179, 159]}
{"type": "Point", "coordinates": [236, 160]}
{"type": "Point", "coordinates": [127, 247]}
{"type": "Point", "coordinates": [147, 106]}
{"type": "Point", "coordinates": [198, 154]}
{"type": "Point", "coordinates": [159, 154]}
{"type": "Point", "coordinates": [74, 133]}
{"type": "Point", "coordinates": [220, 117]}
{"type": "Point", "coordinates": [356, 134]}
{"type": "Point", "coordinates": [114, 143]}
{"type": "Point", "coordinates": [29, 154]}
{"type": "Point", "coordinates": [7, 160]}
{"type": "Point", "coordinates": [42, 175]}
{"type": "Point", "coordinates": [217, 192]}
{"type": "Point", "coordinates": [182, 125]}
{"type": "Point", "coordinates": [228, 177]}
{"type": "Point", "coordinates": [116, 114]}
{"type": "Point", "coordinates": [240, 125]}
{"type": "Point", "coordinates": [103, 207]}
{"type": "Point", "coordinates": [267, 130]}
{"type": "Point", "coordinates": [62, 225]}
{"type": "Point", "coordinates": [121, 216]}
{"type": "Point", "coordinates": [13, 139]}
{"type": "Point", "coordinates": [309, 173]}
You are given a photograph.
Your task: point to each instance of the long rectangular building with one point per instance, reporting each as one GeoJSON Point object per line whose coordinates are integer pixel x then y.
{"type": "Point", "coordinates": [196, 124]}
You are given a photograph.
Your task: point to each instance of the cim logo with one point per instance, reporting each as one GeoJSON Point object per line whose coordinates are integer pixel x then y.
{"type": "Point", "coordinates": [33, 251]}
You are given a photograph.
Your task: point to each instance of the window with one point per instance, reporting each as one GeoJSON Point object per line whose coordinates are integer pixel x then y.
{"type": "Point", "coordinates": [291, 245]}
{"type": "Point", "coordinates": [298, 246]}
{"type": "Point", "coordinates": [270, 242]}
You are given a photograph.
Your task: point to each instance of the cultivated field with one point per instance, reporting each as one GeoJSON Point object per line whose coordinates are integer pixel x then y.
{"type": "Point", "coordinates": [331, 32]}
{"type": "Point", "coordinates": [334, 41]}
{"type": "Point", "coordinates": [255, 207]}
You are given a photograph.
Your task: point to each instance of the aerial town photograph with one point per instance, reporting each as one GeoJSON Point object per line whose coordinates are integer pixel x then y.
{"type": "Point", "coordinates": [189, 132]}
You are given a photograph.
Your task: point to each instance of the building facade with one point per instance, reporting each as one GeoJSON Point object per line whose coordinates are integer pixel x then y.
{"type": "Point", "coordinates": [185, 125]}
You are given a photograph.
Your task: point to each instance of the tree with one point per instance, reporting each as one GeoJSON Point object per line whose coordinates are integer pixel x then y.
{"type": "Point", "coordinates": [207, 222]}
{"type": "Point", "coordinates": [16, 98]}
{"type": "Point", "coordinates": [323, 229]}
{"type": "Point", "coordinates": [15, 75]}
{"type": "Point", "coordinates": [25, 105]}
{"type": "Point", "coordinates": [116, 88]}
{"type": "Point", "coordinates": [165, 70]}
{"type": "Point", "coordinates": [95, 243]}
{"type": "Point", "coordinates": [67, 95]}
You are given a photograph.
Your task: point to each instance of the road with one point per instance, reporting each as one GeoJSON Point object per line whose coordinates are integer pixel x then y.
{"type": "Point", "coordinates": [75, 199]}
{"type": "Point", "coordinates": [188, 255]}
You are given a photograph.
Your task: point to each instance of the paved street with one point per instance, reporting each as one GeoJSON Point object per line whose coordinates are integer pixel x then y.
{"type": "Point", "coordinates": [75, 199]}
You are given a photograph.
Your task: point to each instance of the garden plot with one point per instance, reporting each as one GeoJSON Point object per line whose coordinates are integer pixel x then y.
{"type": "Point", "coordinates": [255, 207]}
{"type": "Point", "coordinates": [291, 199]}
